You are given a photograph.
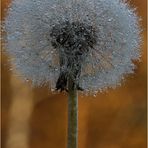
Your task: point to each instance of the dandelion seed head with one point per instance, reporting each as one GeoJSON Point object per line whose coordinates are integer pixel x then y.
{"type": "Point", "coordinates": [99, 38]}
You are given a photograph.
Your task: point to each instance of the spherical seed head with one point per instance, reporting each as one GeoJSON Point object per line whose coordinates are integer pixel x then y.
{"type": "Point", "coordinates": [103, 40]}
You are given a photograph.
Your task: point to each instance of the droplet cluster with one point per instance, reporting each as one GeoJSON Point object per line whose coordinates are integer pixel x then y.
{"type": "Point", "coordinates": [106, 53]}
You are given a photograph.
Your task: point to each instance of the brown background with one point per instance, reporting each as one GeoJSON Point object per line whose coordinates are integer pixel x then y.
{"type": "Point", "coordinates": [35, 118]}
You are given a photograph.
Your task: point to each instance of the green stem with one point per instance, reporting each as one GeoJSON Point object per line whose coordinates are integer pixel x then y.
{"type": "Point", "coordinates": [72, 115]}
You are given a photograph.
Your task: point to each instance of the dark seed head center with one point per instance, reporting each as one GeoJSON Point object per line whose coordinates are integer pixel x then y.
{"type": "Point", "coordinates": [74, 38]}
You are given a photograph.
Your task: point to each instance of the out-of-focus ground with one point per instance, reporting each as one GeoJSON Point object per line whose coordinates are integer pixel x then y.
{"type": "Point", "coordinates": [35, 118]}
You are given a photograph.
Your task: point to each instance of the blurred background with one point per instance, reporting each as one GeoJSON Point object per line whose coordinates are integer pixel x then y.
{"type": "Point", "coordinates": [35, 118]}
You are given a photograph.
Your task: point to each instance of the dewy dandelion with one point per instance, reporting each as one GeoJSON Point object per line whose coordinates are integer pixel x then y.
{"type": "Point", "coordinates": [86, 45]}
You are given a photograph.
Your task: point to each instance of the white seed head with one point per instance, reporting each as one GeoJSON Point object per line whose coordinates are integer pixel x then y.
{"type": "Point", "coordinates": [101, 41]}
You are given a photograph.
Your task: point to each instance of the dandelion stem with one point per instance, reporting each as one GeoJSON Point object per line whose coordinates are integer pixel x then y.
{"type": "Point", "coordinates": [72, 115]}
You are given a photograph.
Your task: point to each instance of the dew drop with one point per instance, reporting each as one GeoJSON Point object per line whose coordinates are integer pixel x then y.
{"type": "Point", "coordinates": [56, 69]}
{"type": "Point", "coordinates": [110, 19]}
{"type": "Point", "coordinates": [52, 89]}
{"type": "Point", "coordinates": [27, 80]}
{"type": "Point", "coordinates": [95, 95]}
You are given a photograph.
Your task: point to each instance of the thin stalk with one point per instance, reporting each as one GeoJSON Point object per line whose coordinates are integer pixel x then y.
{"type": "Point", "coordinates": [72, 115]}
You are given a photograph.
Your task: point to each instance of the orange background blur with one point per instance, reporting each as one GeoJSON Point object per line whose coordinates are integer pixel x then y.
{"type": "Point", "coordinates": [35, 118]}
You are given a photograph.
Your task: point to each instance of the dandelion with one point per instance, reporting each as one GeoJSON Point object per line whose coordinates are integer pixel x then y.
{"type": "Point", "coordinates": [86, 45]}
